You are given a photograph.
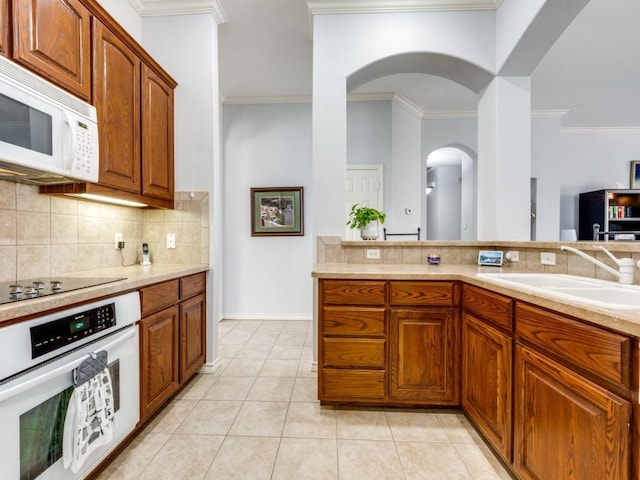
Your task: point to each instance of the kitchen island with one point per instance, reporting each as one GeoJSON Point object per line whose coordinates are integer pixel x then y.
{"type": "Point", "coordinates": [551, 384]}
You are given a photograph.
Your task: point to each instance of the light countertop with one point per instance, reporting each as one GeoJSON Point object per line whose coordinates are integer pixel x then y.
{"type": "Point", "coordinates": [135, 277]}
{"type": "Point", "coordinates": [625, 320]}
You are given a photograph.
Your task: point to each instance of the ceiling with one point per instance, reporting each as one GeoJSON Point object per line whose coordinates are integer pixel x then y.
{"type": "Point", "coordinates": [591, 73]}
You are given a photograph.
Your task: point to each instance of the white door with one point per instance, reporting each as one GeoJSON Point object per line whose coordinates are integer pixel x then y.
{"type": "Point", "coordinates": [364, 187]}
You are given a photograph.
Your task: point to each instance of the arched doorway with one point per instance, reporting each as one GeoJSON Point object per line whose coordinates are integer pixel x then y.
{"type": "Point", "coordinates": [450, 194]}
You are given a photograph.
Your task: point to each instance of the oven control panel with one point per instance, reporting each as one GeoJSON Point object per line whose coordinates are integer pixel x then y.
{"type": "Point", "coordinates": [50, 336]}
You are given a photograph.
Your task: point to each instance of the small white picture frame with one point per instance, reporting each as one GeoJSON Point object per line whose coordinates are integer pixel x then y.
{"type": "Point", "coordinates": [490, 258]}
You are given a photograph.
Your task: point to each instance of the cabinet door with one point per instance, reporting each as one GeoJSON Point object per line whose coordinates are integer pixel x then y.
{"type": "Point", "coordinates": [157, 136]}
{"type": "Point", "coordinates": [486, 381]}
{"type": "Point", "coordinates": [424, 359]}
{"type": "Point", "coordinates": [52, 37]}
{"type": "Point", "coordinates": [5, 27]}
{"type": "Point", "coordinates": [116, 95]}
{"type": "Point", "coordinates": [158, 359]}
{"type": "Point", "coordinates": [192, 336]}
{"type": "Point", "coordinates": [567, 427]}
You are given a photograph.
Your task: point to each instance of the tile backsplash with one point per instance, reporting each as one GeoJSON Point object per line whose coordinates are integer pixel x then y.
{"type": "Point", "coordinates": [332, 249]}
{"type": "Point", "coordinates": [42, 235]}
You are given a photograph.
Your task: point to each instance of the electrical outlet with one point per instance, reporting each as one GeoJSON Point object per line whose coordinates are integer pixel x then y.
{"type": "Point", "coordinates": [171, 240]}
{"type": "Point", "coordinates": [513, 256]}
{"type": "Point", "coordinates": [373, 253]}
{"type": "Point", "coordinates": [118, 239]}
{"type": "Point", "coordinates": [547, 258]}
{"type": "Point", "coordinates": [120, 245]}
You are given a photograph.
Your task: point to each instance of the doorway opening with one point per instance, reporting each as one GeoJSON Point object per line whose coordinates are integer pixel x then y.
{"type": "Point", "coordinates": [450, 194]}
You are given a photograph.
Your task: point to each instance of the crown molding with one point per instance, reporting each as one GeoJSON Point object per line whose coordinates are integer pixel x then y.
{"type": "Point", "coordinates": [549, 113]}
{"type": "Point", "coordinates": [450, 115]}
{"type": "Point", "coordinates": [159, 8]}
{"type": "Point", "coordinates": [370, 97]}
{"type": "Point", "coordinates": [333, 7]}
{"type": "Point", "coordinates": [408, 105]}
{"type": "Point", "coordinates": [600, 130]}
{"type": "Point", "coordinates": [266, 100]}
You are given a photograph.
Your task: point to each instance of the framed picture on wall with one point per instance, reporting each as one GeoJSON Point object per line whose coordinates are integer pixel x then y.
{"type": "Point", "coordinates": [635, 174]}
{"type": "Point", "coordinates": [277, 211]}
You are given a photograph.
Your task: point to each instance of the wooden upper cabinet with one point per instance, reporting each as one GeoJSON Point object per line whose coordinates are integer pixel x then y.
{"type": "Point", "coordinates": [52, 38]}
{"type": "Point", "coordinates": [5, 27]}
{"type": "Point", "coordinates": [116, 93]}
{"type": "Point", "coordinates": [157, 136]}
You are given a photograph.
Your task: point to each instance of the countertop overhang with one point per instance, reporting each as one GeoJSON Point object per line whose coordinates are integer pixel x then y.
{"type": "Point", "coordinates": [135, 277]}
{"type": "Point", "coordinates": [626, 321]}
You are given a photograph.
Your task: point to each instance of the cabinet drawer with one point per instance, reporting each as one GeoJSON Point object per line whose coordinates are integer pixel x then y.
{"type": "Point", "coordinates": [353, 352]}
{"type": "Point", "coordinates": [352, 384]}
{"type": "Point", "coordinates": [192, 285]}
{"type": "Point", "coordinates": [353, 321]}
{"type": "Point", "coordinates": [353, 292]}
{"type": "Point", "coordinates": [424, 293]}
{"type": "Point", "coordinates": [591, 349]}
{"type": "Point", "coordinates": [489, 306]}
{"type": "Point", "coordinates": [157, 297]}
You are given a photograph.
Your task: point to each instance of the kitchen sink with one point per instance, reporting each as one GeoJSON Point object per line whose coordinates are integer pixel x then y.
{"type": "Point", "coordinates": [589, 290]}
{"type": "Point", "coordinates": [545, 280]}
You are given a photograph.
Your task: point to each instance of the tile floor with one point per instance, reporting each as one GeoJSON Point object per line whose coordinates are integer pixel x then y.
{"type": "Point", "coordinates": [258, 417]}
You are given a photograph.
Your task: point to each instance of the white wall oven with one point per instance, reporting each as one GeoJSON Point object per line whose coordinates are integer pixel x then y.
{"type": "Point", "coordinates": [69, 389]}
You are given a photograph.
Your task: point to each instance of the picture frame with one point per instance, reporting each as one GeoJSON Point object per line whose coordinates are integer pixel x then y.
{"type": "Point", "coordinates": [635, 175]}
{"type": "Point", "coordinates": [277, 211]}
{"type": "Point", "coordinates": [490, 258]}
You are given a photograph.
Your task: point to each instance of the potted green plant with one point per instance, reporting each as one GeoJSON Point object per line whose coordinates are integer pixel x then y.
{"type": "Point", "coordinates": [367, 219]}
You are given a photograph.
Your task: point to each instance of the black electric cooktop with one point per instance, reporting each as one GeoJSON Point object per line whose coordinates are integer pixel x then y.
{"type": "Point", "coordinates": [19, 290]}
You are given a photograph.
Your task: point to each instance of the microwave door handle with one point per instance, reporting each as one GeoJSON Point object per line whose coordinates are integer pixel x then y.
{"type": "Point", "coordinates": [20, 387]}
{"type": "Point", "coordinates": [69, 146]}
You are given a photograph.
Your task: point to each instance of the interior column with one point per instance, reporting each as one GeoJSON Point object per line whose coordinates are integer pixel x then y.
{"type": "Point", "coordinates": [504, 159]}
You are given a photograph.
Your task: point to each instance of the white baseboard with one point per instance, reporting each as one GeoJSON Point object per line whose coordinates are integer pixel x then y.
{"type": "Point", "coordinates": [262, 316]}
{"type": "Point", "coordinates": [210, 368]}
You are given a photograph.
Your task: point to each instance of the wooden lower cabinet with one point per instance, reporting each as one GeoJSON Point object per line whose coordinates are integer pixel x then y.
{"type": "Point", "coordinates": [487, 381]}
{"type": "Point", "coordinates": [551, 394]}
{"type": "Point", "coordinates": [172, 338]}
{"type": "Point", "coordinates": [192, 336]}
{"type": "Point", "coordinates": [159, 359]}
{"type": "Point", "coordinates": [565, 426]}
{"type": "Point", "coordinates": [424, 355]}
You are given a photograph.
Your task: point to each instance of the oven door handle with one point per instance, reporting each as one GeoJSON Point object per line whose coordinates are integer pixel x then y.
{"type": "Point", "coordinates": [20, 387]}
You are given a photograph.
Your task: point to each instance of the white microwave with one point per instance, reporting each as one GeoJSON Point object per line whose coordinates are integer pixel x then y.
{"type": "Point", "coordinates": [47, 136]}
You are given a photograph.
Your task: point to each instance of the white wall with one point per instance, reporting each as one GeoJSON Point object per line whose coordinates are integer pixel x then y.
{"type": "Point", "coordinates": [592, 160]}
{"type": "Point", "coordinates": [407, 172]}
{"type": "Point", "coordinates": [267, 146]}
{"type": "Point", "coordinates": [546, 162]}
{"type": "Point", "coordinates": [369, 139]}
{"type": "Point", "coordinates": [124, 13]}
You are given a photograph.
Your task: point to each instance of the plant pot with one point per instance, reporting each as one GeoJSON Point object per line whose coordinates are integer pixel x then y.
{"type": "Point", "coordinates": [371, 231]}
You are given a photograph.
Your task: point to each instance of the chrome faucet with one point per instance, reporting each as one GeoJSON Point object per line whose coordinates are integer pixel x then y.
{"type": "Point", "coordinates": [625, 265]}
